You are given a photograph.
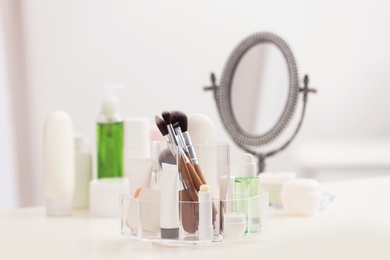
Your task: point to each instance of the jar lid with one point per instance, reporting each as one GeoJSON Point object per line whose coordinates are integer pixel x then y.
{"type": "Point", "coordinates": [276, 177]}
{"type": "Point", "coordinates": [233, 218]}
{"type": "Point", "coordinates": [300, 186]}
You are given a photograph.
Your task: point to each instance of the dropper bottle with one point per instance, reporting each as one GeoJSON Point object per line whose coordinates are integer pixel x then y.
{"type": "Point", "coordinates": [109, 132]}
{"type": "Point", "coordinates": [246, 190]}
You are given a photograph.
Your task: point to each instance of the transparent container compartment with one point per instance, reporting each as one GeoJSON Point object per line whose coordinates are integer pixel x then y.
{"type": "Point", "coordinates": [232, 219]}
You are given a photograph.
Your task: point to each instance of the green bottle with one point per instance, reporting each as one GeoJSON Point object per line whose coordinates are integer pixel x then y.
{"type": "Point", "coordinates": [246, 191]}
{"type": "Point", "coordinates": [109, 133]}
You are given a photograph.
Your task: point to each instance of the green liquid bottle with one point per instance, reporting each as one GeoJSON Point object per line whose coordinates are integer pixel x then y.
{"type": "Point", "coordinates": [246, 190]}
{"type": "Point", "coordinates": [110, 149]}
{"type": "Point", "coordinates": [109, 133]}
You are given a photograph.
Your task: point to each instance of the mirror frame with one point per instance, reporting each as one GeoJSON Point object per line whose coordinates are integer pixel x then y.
{"type": "Point", "coordinates": [223, 94]}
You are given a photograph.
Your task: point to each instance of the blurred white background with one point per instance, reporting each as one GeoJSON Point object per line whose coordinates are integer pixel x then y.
{"type": "Point", "coordinates": [58, 54]}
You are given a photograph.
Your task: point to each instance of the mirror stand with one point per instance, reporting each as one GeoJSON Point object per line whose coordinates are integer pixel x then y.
{"type": "Point", "coordinates": [261, 156]}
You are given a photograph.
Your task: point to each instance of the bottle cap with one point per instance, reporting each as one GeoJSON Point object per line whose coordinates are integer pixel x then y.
{"type": "Point", "coordinates": [301, 186]}
{"type": "Point", "coordinates": [110, 104]}
{"type": "Point", "coordinates": [247, 167]}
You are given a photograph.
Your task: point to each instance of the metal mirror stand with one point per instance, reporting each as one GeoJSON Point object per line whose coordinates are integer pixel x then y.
{"type": "Point", "coordinates": [261, 156]}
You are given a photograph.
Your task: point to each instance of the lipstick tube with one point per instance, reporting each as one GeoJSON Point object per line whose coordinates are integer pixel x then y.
{"type": "Point", "coordinates": [205, 228]}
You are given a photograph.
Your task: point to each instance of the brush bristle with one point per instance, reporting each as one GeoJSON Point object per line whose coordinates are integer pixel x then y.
{"type": "Point", "coordinates": [167, 117]}
{"type": "Point", "coordinates": [176, 125]}
{"type": "Point", "coordinates": [161, 125]}
{"type": "Point", "coordinates": [174, 116]}
{"type": "Point", "coordinates": [181, 118]}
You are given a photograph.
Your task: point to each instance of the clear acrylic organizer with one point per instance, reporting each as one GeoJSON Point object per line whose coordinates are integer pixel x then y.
{"type": "Point", "coordinates": [234, 218]}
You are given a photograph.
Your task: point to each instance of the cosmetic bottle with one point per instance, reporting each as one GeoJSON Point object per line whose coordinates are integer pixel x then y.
{"type": "Point", "coordinates": [247, 187]}
{"type": "Point", "coordinates": [110, 136]}
{"type": "Point", "coordinates": [137, 160]}
{"type": "Point", "coordinates": [83, 171]}
{"type": "Point", "coordinates": [58, 164]}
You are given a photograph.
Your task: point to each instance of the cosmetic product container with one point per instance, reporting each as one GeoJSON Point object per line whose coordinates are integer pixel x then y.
{"type": "Point", "coordinates": [58, 164]}
{"type": "Point", "coordinates": [244, 217]}
{"type": "Point", "coordinates": [234, 225]}
{"type": "Point", "coordinates": [110, 137]}
{"type": "Point", "coordinates": [187, 208]}
{"type": "Point", "coordinates": [83, 163]}
{"type": "Point", "coordinates": [169, 216]}
{"type": "Point", "coordinates": [301, 197]}
{"type": "Point", "coordinates": [273, 183]}
{"type": "Point", "coordinates": [247, 186]}
{"type": "Point", "coordinates": [205, 228]}
{"type": "Point", "coordinates": [103, 196]}
{"type": "Point", "coordinates": [190, 222]}
{"type": "Point", "coordinates": [136, 137]}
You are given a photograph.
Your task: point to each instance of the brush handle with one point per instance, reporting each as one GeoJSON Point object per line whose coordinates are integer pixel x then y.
{"type": "Point", "coordinates": [194, 176]}
{"type": "Point", "coordinates": [187, 179]}
{"type": "Point", "coordinates": [200, 173]}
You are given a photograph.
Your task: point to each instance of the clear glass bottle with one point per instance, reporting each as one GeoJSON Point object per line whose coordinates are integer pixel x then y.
{"type": "Point", "coordinates": [247, 187]}
{"type": "Point", "coordinates": [109, 133]}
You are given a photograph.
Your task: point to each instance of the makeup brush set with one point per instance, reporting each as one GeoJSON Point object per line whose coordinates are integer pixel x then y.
{"type": "Point", "coordinates": [182, 208]}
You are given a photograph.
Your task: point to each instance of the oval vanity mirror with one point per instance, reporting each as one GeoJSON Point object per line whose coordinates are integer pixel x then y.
{"type": "Point", "coordinates": [258, 93]}
{"type": "Point", "coordinates": [260, 82]}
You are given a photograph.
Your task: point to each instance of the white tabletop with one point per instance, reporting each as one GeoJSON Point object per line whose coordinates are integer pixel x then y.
{"type": "Point", "coordinates": [355, 226]}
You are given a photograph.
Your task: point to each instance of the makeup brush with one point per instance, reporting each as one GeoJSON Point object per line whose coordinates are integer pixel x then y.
{"type": "Point", "coordinates": [188, 170]}
{"type": "Point", "coordinates": [182, 119]}
{"type": "Point", "coordinates": [162, 127]}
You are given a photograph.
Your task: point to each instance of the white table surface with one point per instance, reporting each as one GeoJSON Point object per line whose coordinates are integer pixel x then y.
{"type": "Point", "coordinates": [355, 226]}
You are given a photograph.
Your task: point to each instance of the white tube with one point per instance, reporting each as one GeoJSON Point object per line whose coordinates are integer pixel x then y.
{"type": "Point", "coordinates": [58, 164]}
{"type": "Point", "coordinates": [205, 227]}
{"type": "Point", "coordinates": [169, 214]}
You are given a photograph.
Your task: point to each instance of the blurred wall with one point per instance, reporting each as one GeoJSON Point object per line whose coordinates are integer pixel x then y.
{"type": "Point", "coordinates": [7, 156]}
{"type": "Point", "coordinates": [164, 51]}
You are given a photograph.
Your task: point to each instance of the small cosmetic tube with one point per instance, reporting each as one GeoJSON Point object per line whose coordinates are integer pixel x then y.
{"type": "Point", "coordinates": [169, 213]}
{"type": "Point", "coordinates": [205, 227]}
{"type": "Point", "coordinates": [139, 172]}
{"type": "Point", "coordinates": [58, 164]}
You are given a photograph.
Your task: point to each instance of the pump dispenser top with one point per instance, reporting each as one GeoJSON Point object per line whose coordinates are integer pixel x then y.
{"type": "Point", "coordinates": [247, 167]}
{"type": "Point", "coordinates": [110, 103]}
